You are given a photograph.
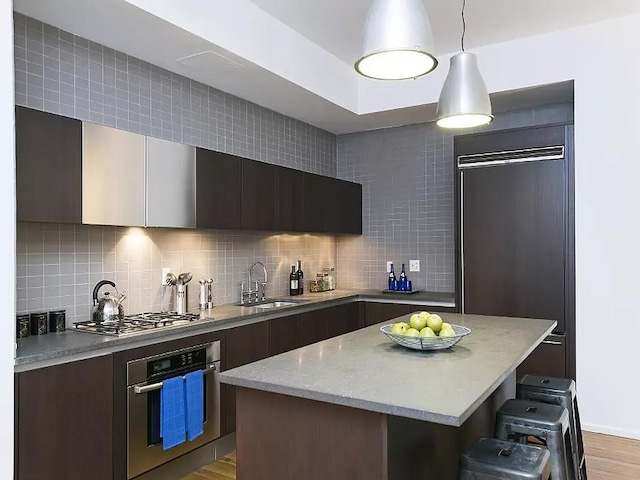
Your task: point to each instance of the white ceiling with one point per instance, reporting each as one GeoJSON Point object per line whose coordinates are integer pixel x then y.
{"type": "Point", "coordinates": [336, 25]}
{"type": "Point", "coordinates": [294, 56]}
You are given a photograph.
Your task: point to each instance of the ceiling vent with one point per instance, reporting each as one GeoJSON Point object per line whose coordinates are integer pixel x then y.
{"type": "Point", "coordinates": [209, 63]}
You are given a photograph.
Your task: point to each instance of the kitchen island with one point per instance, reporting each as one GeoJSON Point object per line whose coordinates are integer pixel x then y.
{"type": "Point", "coordinates": [360, 407]}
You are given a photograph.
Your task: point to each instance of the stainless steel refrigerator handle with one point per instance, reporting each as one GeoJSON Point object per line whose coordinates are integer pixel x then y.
{"type": "Point", "coordinates": [551, 342]}
{"type": "Point", "coordinates": [141, 388]}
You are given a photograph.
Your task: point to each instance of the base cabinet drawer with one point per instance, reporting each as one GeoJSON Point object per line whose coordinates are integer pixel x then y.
{"type": "Point", "coordinates": [548, 359]}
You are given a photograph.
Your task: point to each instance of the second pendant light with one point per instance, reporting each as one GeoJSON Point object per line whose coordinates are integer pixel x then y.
{"type": "Point", "coordinates": [464, 101]}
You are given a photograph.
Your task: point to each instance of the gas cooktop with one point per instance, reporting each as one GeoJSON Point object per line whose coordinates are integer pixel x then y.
{"type": "Point", "coordinates": [131, 324]}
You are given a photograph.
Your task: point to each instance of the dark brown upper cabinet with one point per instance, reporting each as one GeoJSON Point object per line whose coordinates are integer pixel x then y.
{"type": "Point", "coordinates": [288, 206]}
{"type": "Point", "coordinates": [319, 204]}
{"type": "Point", "coordinates": [332, 205]}
{"type": "Point", "coordinates": [218, 190]}
{"type": "Point", "coordinates": [257, 195]}
{"type": "Point", "coordinates": [349, 206]}
{"type": "Point", "coordinates": [48, 167]}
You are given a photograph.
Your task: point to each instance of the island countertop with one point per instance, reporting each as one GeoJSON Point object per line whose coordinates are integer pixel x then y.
{"type": "Point", "coordinates": [365, 370]}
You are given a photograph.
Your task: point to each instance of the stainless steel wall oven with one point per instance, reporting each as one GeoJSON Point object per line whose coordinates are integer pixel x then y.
{"type": "Point", "coordinates": [144, 384]}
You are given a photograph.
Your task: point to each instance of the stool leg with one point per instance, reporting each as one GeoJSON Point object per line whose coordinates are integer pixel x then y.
{"type": "Point", "coordinates": [581, 458]}
{"type": "Point", "coordinates": [501, 430]}
{"type": "Point", "coordinates": [559, 451]}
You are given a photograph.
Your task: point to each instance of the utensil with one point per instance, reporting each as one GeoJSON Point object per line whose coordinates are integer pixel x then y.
{"type": "Point", "coordinates": [182, 301]}
{"type": "Point", "coordinates": [170, 280]}
{"type": "Point", "coordinates": [426, 343]}
{"type": "Point", "coordinates": [107, 308]}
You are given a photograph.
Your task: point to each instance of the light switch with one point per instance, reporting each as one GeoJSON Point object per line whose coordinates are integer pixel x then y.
{"type": "Point", "coordinates": [389, 266]}
{"type": "Point", "coordinates": [414, 265]}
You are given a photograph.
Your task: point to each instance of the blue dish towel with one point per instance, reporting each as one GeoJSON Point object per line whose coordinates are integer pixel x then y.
{"type": "Point", "coordinates": [172, 413]}
{"type": "Point", "coordinates": [194, 400]}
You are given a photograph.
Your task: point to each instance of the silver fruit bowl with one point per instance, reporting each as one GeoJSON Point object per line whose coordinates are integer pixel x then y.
{"type": "Point", "coordinates": [426, 343]}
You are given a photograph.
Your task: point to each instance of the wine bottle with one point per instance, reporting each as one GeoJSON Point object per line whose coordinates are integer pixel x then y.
{"type": "Point", "coordinates": [402, 284]}
{"type": "Point", "coordinates": [293, 281]}
{"type": "Point", "coordinates": [392, 279]}
{"type": "Point", "coordinates": [300, 274]}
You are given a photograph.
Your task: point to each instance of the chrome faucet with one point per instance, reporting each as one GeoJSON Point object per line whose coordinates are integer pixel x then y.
{"type": "Point", "coordinates": [255, 291]}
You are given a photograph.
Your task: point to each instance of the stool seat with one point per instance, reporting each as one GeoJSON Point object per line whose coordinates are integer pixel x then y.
{"type": "Point", "coordinates": [495, 459]}
{"type": "Point", "coordinates": [534, 414]}
{"type": "Point", "coordinates": [549, 385]}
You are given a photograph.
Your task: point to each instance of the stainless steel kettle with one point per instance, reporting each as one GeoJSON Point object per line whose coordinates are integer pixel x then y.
{"type": "Point", "coordinates": [107, 308]}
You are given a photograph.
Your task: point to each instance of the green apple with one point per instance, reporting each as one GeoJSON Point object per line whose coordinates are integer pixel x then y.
{"type": "Point", "coordinates": [446, 325]}
{"type": "Point", "coordinates": [434, 322]}
{"type": "Point", "coordinates": [425, 315]}
{"type": "Point", "coordinates": [399, 328]}
{"type": "Point", "coordinates": [412, 332]}
{"type": "Point", "coordinates": [418, 321]}
{"type": "Point", "coordinates": [427, 332]}
{"type": "Point", "coordinates": [447, 332]}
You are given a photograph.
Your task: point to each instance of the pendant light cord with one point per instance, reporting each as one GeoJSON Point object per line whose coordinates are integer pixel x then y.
{"type": "Point", "coordinates": [464, 25]}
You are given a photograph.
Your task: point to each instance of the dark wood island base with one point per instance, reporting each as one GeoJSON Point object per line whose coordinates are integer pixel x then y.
{"type": "Point", "coordinates": [281, 437]}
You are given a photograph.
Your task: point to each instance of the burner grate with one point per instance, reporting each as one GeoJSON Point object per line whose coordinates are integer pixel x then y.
{"type": "Point", "coordinates": [136, 323]}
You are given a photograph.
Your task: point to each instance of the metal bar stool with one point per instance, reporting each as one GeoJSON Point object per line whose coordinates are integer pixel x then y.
{"type": "Point", "coordinates": [490, 459]}
{"type": "Point", "coordinates": [518, 419]}
{"type": "Point", "coordinates": [558, 391]}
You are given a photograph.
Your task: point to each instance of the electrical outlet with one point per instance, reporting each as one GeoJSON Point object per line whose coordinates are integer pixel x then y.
{"type": "Point", "coordinates": [389, 266]}
{"type": "Point", "coordinates": [414, 265]}
{"type": "Point", "coordinates": [165, 271]}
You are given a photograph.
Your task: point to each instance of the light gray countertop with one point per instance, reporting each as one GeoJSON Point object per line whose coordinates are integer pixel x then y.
{"type": "Point", "coordinates": [53, 348]}
{"type": "Point", "coordinates": [366, 370]}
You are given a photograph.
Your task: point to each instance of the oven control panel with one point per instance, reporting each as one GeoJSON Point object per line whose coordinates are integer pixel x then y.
{"type": "Point", "coordinates": [178, 361]}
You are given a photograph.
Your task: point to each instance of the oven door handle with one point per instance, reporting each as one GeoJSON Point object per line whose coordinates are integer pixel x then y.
{"type": "Point", "coordinates": [144, 388]}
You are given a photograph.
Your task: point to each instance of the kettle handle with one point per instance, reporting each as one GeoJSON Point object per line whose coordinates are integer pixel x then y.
{"type": "Point", "coordinates": [98, 286]}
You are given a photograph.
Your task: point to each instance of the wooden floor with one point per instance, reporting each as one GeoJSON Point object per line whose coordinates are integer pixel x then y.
{"type": "Point", "coordinates": [608, 458]}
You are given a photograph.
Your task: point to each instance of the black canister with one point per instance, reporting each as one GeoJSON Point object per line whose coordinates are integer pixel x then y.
{"type": "Point", "coordinates": [39, 323]}
{"type": "Point", "coordinates": [57, 321]}
{"type": "Point", "coordinates": [23, 328]}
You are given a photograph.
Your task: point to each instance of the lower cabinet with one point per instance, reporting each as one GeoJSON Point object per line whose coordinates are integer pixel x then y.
{"type": "Point", "coordinates": [64, 421]}
{"type": "Point", "coordinates": [244, 345]}
{"type": "Point", "coordinates": [548, 359]}
{"type": "Point", "coordinates": [285, 334]}
{"type": "Point", "coordinates": [378, 312]}
{"type": "Point", "coordinates": [330, 322]}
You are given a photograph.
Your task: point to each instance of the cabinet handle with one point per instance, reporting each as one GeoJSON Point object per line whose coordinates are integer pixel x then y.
{"type": "Point", "coordinates": [551, 342]}
{"type": "Point", "coordinates": [142, 388]}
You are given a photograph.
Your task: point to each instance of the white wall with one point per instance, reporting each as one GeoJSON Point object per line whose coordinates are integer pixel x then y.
{"type": "Point", "coordinates": [7, 239]}
{"type": "Point", "coordinates": [602, 59]}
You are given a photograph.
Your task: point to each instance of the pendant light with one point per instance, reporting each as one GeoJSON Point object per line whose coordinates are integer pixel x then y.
{"type": "Point", "coordinates": [396, 41]}
{"type": "Point", "coordinates": [464, 100]}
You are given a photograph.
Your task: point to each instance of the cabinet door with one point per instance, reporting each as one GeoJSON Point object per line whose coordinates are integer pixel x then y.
{"type": "Point", "coordinates": [218, 190]}
{"type": "Point", "coordinates": [383, 312]}
{"type": "Point", "coordinates": [257, 195]}
{"type": "Point", "coordinates": [513, 242]}
{"type": "Point", "coordinates": [319, 204]}
{"type": "Point", "coordinates": [342, 319]}
{"type": "Point", "coordinates": [548, 359]}
{"type": "Point", "coordinates": [171, 184]}
{"type": "Point", "coordinates": [285, 334]}
{"type": "Point", "coordinates": [314, 326]}
{"type": "Point", "coordinates": [288, 206]}
{"type": "Point", "coordinates": [347, 205]}
{"type": "Point", "coordinates": [48, 167]}
{"type": "Point", "coordinates": [113, 176]}
{"type": "Point", "coordinates": [64, 420]}
{"type": "Point", "coordinates": [243, 345]}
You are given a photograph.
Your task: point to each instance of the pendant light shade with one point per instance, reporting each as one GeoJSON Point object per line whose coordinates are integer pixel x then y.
{"type": "Point", "coordinates": [464, 100]}
{"type": "Point", "coordinates": [397, 41]}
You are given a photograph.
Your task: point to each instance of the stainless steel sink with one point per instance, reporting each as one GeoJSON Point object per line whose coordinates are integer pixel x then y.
{"type": "Point", "coordinates": [276, 304]}
{"type": "Point", "coordinates": [269, 304]}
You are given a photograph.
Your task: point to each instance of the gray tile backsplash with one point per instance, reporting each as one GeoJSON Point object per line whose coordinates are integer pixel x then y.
{"type": "Point", "coordinates": [65, 74]}
{"type": "Point", "coordinates": [58, 265]}
{"type": "Point", "coordinates": [407, 175]}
